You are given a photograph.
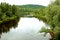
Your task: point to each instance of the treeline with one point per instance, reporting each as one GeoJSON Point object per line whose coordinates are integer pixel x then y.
{"type": "Point", "coordinates": [28, 9]}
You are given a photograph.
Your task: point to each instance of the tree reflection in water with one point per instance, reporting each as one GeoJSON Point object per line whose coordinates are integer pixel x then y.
{"type": "Point", "coordinates": [5, 26]}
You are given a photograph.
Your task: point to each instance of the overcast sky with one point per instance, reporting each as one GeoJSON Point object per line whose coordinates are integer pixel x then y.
{"type": "Point", "coordinates": [23, 2]}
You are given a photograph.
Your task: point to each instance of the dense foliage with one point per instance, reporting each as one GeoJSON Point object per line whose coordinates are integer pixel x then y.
{"type": "Point", "coordinates": [52, 18]}
{"type": "Point", "coordinates": [7, 12]}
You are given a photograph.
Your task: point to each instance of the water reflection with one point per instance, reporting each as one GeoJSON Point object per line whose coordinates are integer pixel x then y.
{"type": "Point", "coordinates": [27, 30]}
{"type": "Point", "coordinates": [5, 26]}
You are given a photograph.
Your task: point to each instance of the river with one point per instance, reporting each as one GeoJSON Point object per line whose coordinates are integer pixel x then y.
{"type": "Point", "coordinates": [28, 29]}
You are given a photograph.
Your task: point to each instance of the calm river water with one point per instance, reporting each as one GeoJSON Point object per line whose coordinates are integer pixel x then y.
{"type": "Point", "coordinates": [28, 29]}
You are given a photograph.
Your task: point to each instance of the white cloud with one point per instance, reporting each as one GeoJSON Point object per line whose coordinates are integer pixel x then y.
{"type": "Point", "coordinates": [22, 2]}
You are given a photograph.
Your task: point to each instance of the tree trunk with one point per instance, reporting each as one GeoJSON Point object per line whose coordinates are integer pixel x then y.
{"type": "Point", "coordinates": [52, 35]}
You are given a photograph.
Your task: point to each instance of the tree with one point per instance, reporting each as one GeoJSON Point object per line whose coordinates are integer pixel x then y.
{"type": "Point", "coordinates": [14, 9]}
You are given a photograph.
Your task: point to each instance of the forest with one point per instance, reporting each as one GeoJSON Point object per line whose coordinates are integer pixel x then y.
{"type": "Point", "coordinates": [10, 14]}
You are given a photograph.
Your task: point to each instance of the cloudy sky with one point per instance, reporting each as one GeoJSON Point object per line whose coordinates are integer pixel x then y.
{"type": "Point", "coordinates": [23, 2]}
